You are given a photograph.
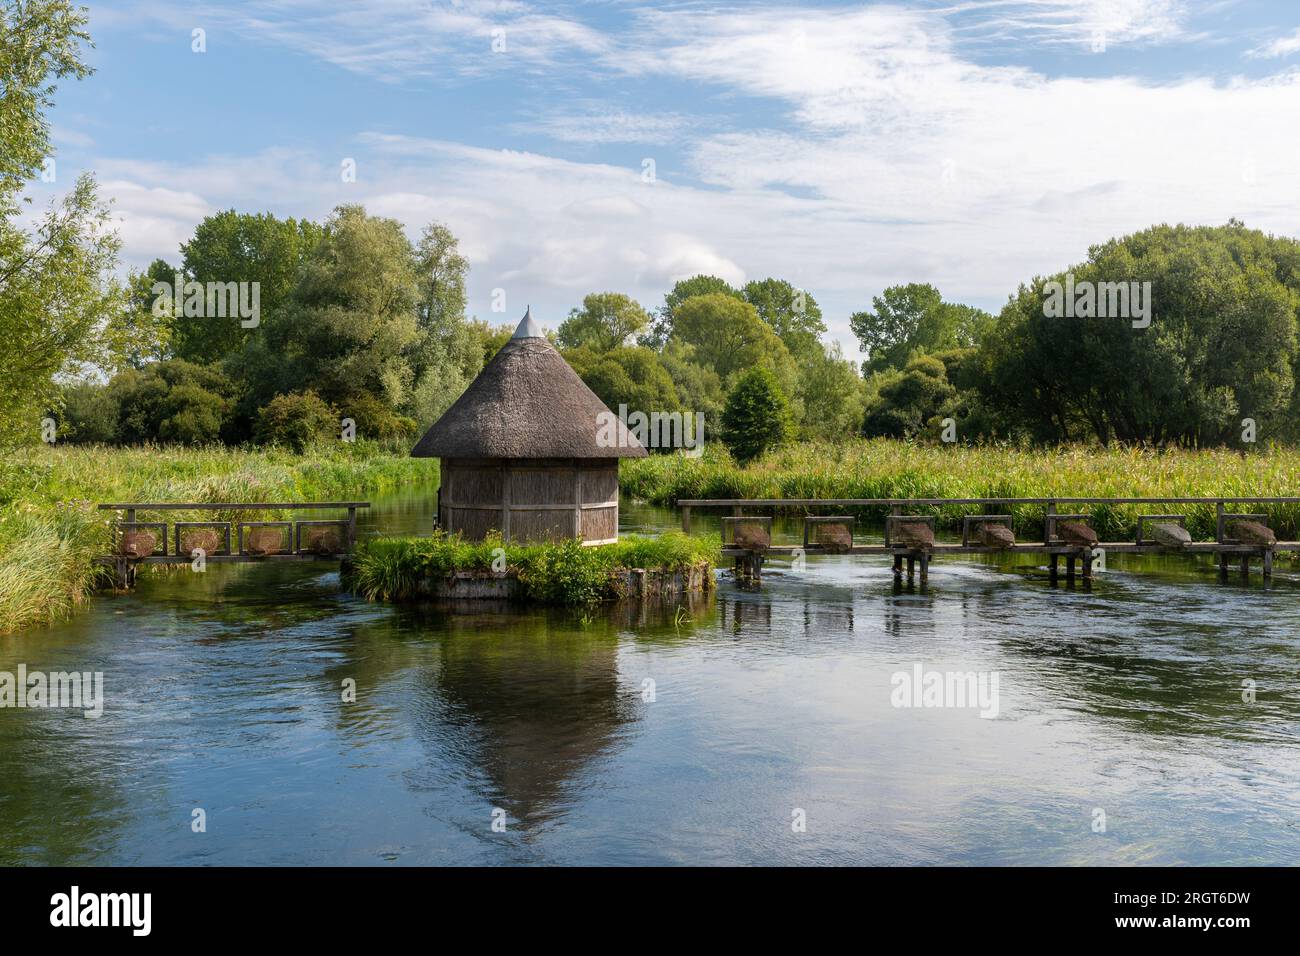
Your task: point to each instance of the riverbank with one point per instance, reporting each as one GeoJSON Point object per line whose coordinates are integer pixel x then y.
{"type": "Point", "coordinates": [50, 530]}
{"type": "Point", "coordinates": [881, 468]}
{"type": "Point", "coordinates": [409, 569]}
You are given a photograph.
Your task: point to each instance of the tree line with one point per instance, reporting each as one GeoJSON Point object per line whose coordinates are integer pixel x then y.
{"type": "Point", "coordinates": [356, 321]}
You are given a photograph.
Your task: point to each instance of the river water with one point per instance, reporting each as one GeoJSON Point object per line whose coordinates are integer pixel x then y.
{"type": "Point", "coordinates": [748, 727]}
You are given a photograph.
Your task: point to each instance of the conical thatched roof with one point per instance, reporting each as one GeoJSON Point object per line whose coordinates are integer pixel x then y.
{"type": "Point", "coordinates": [527, 403]}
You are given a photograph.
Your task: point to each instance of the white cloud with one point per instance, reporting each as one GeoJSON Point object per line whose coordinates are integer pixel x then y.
{"type": "Point", "coordinates": [610, 126]}
{"type": "Point", "coordinates": [896, 159]}
{"type": "Point", "coordinates": [1282, 46]}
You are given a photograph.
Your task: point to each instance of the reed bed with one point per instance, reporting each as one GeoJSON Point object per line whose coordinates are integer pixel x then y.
{"type": "Point", "coordinates": [393, 569]}
{"type": "Point", "coordinates": [882, 468]}
{"type": "Point", "coordinates": [50, 530]}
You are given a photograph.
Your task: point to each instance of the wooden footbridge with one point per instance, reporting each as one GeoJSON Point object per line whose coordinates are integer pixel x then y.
{"type": "Point", "coordinates": [908, 533]}
{"type": "Point", "coordinates": [183, 542]}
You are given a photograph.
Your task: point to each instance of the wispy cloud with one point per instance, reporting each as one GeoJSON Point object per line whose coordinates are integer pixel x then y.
{"type": "Point", "coordinates": [609, 125]}
{"type": "Point", "coordinates": [1282, 46]}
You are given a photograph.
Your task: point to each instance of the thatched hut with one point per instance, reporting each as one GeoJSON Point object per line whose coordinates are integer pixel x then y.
{"type": "Point", "coordinates": [527, 450]}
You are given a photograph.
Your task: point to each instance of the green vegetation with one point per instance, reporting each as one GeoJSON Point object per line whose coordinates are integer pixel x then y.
{"type": "Point", "coordinates": [50, 530]}
{"type": "Point", "coordinates": [880, 468]}
{"type": "Point", "coordinates": [757, 416]}
{"type": "Point", "coordinates": [393, 569]}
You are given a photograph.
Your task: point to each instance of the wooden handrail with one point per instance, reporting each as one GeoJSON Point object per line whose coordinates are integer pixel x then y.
{"type": "Point", "coordinates": [850, 502]}
{"type": "Point", "coordinates": [227, 506]}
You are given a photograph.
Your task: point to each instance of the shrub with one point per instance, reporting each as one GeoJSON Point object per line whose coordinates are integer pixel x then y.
{"type": "Point", "coordinates": [297, 420]}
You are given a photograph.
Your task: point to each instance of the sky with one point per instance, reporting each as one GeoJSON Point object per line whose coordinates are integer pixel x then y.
{"type": "Point", "coordinates": [586, 147]}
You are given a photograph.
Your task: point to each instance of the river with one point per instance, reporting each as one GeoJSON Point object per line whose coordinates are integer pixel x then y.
{"type": "Point", "coordinates": [750, 727]}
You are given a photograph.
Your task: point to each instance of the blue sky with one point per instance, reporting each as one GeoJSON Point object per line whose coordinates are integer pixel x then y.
{"type": "Point", "coordinates": [845, 147]}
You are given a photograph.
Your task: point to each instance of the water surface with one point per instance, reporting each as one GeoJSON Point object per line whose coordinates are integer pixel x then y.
{"type": "Point", "coordinates": [693, 733]}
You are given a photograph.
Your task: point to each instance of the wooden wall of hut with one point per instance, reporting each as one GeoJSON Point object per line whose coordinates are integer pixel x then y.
{"type": "Point", "coordinates": [530, 499]}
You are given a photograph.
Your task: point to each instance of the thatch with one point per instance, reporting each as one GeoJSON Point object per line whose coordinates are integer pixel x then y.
{"type": "Point", "coordinates": [912, 534]}
{"type": "Point", "coordinates": [323, 539]}
{"type": "Point", "coordinates": [1077, 533]}
{"type": "Point", "coordinates": [833, 537]}
{"type": "Point", "coordinates": [1252, 532]}
{"type": "Point", "coordinates": [1169, 534]}
{"type": "Point", "coordinates": [138, 544]}
{"type": "Point", "coordinates": [261, 541]}
{"type": "Point", "coordinates": [527, 403]}
{"type": "Point", "coordinates": [994, 534]}
{"type": "Point", "coordinates": [200, 539]}
{"type": "Point", "coordinates": [753, 537]}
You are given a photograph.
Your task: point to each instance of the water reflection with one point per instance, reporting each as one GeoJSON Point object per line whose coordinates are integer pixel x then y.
{"type": "Point", "coordinates": [228, 691]}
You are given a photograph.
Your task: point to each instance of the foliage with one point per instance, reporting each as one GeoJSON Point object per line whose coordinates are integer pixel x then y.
{"type": "Point", "coordinates": [448, 352]}
{"type": "Point", "coordinates": [566, 572]}
{"type": "Point", "coordinates": [49, 530]}
{"type": "Point", "coordinates": [350, 321]}
{"type": "Point", "coordinates": [885, 468]}
{"type": "Point", "coordinates": [172, 401]}
{"type": "Point", "coordinates": [240, 247]}
{"type": "Point", "coordinates": [909, 402]}
{"type": "Point", "coordinates": [911, 318]}
{"type": "Point", "coordinates": [1221, 344]}
{"type": "Point", "coordinates": [757, 416]}
{"type": "Point", "coordinates": [606, 321]}
{"type": "Point", "coordinates": [793, 314]}
{"type": "Point", "coordinates": [729, 337]}
{"type": "Point", "coordinates": [297, 420]}
{"type": "Point", "coordinates": [628, 375]}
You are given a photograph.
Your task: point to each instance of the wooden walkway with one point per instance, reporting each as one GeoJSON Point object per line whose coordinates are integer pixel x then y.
{"type": "Point", "coordinates": [1224, 547]}
{"type": "Point", "coordinates": [233, 536]}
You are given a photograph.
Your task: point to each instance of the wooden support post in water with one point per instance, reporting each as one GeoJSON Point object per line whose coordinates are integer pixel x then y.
{"type": "Point", "coordinates": [898, 565]}
{"type": "Point", "coordinates": [1245, 567]}
{"type": "Point", "coordinates": [1069, 570]}
{"type": "Point", "coordinates": [911, 567]}
{"type": "Point", "coordinates": [925, 569]}
{"type": "Point", "coordinates": [1268, 564]}
{"type": "Point", "coordinates": [1054, 572]}
{"type": "Point", "coordinates": [686, 519]}
{"type": "Point", "coordinates": [1223, 564]}
{"type": "Point", "coordinates": [1086, 558]}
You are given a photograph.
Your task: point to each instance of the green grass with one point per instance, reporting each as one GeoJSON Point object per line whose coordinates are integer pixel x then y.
{"type": "Point", "coordinates": [881, 468]}
{"type": "Point", "coordinates": [393, 569]}
{"type": "Point", "coordinates": [50, 529]}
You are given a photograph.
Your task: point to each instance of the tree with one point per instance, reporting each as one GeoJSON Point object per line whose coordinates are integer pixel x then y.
{"type": "Point", "coordinates": [171, 401]}
{"type": "Point", "coordinates": [729, 337]}
{"type": "Point", "coordinates": [909, 401]}
{"type": "Point", "coordinates": [56, 284]}
{"type": "Point", "coordinates": [792, 313]}
{"type": "Point", "coordinates": [684, 289]}
{"type": "Point", "coordinates": [832, 394]}
{"type": "Point", "coordinates": [912, 318]}
{"type": "Point", "coordinates": [1220, 346]}
{"type": "Point", "coordinates": [628, 375]}
{"type": "Point", "coordinates": [350, 323]}
{"type": "Point", "coordinates": [606, 321]}
{"type": "Point", "coordinates": [240, 247]}
{"type": "Point", "coordinates": [757, 416]}
{"type": "Point", "coordinates": [448, 352]}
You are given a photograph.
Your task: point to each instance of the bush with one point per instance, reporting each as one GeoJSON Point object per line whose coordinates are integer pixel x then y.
{"type": "Point", "coordinates": [757, 416]}
{"type": "Point", "coordinates": [297, 420]}
{"type": "Point", "coordinates": [90, 413]}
